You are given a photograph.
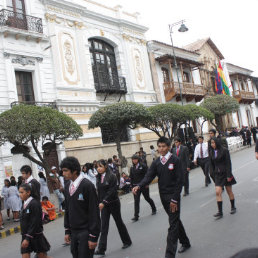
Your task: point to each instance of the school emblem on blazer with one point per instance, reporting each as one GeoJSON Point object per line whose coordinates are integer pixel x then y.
{"type": "Point", "coordinates": [171, 166]}
{"type": "Point", "coordinates": [80, 198]}
{"type": "Point", "coordinates": [27, 211]}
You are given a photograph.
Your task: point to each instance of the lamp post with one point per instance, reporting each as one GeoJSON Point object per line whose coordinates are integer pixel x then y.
{"type": "Point", "coordinates": [182, 28]}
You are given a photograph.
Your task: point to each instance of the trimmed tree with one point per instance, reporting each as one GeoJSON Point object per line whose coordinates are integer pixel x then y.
{"type": "Point", "coordinates": [41, 127]}
{"type": "Point", "coordinates": [220, 105]}
{"type": "Point", "coordinates": [117, 117]}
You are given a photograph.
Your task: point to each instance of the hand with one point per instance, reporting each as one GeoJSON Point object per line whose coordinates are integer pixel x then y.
{"type": "Point", "coordinates": [67, 239]}
{"type": "Point", "coordinates": [173, 207]}
{"type": "Point", "coordinates": [92, 245]}
{"type": "Point", "coordinates": [188, 169]}
{"type": "Point", "coordinates": [101, 206]}
{"type": "Point", "coordinates": [135, 190]}
{"type": "Point", "coordinates": [195, 162]}
{"type": "Point", "coordinates": [25, 243]}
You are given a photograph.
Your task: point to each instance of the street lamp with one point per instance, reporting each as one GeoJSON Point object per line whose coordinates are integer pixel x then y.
{"type": "Point", "coordinates": [182, 28]}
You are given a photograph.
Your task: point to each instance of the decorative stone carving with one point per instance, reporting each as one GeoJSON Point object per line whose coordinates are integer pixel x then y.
{"type": "Point", "coordinates": [135, 40]}
{"type": "Point", "coordinates": [138, 68]}
{"type": "Point", "coordinates": [6, 55]}
{"type": "Point", "coordinates": [23, 60]}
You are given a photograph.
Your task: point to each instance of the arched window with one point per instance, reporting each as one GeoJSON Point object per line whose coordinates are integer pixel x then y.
{"type": "Point", "coordinates": [165, 74]}
{"type": "Point", "coordinates": [104, 68]}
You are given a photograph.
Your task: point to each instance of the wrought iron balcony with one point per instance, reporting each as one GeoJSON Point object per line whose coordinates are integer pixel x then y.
{"type": "Point", "coordinates": [20, 21]}
{"type": "Point", "coordinates": [35, 103]}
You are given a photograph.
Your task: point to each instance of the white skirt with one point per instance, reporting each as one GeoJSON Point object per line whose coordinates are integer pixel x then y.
{"type": "Point", "coordinates": [14, 203]}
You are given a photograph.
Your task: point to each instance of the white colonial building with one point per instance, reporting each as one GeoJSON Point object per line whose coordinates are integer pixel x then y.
{"type": "Point", "coordinates": [76, 55]}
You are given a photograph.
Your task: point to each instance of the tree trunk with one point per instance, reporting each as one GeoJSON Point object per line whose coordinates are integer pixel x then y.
{"type": "Point", "coordinates": [118, 146]}
{"type": "Point", "coordinates": [218, 120]}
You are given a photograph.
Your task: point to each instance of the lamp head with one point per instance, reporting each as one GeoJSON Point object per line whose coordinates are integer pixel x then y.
{"type": "Point", "coordinates": [183, 28]}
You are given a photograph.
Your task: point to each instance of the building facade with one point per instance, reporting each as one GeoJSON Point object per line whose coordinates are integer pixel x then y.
{"type": "Point", "coordinates": [76, 56]}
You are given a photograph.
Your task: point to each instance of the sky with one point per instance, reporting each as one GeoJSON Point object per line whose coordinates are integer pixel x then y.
{"type": "Point", "coordinates": [231, 24]}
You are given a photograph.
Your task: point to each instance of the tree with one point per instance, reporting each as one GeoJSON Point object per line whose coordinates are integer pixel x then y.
{"type": "Point", "coordinates": [165, 119]}
{"type": "Point", "coordinates": [117, 117]}
{"type": "Point", "coordinates": [220, 105]}
{"type": "Point", "coordinates": [38, 126]}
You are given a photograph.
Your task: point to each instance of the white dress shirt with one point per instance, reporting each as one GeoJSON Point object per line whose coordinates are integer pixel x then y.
{"type": "Point", "coordinates": [76, 182]}
{"type": "Point", "coordinates": [28, 179]}
{"type": "Point", "coordinates": [167, 156]}
{"type": "Point", "coordinates": [197, 151]}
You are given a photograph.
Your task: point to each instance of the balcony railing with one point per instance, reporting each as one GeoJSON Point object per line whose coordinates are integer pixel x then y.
{"type": "Point", "coordinates": [20, 21]}
{"type": "Point", "coordinates": [188, 90]}
{"type": "Point", "coordinates": [35, 103]}
{"type": "Point", "coordinates": [244, 96]}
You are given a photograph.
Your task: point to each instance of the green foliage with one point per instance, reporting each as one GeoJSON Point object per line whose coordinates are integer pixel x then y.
{"type": "Point", "coordinates": [23, 123]}
{"type": "Point", "coordinates": [118, 116]}
{"type": "Point", "coordinates": [193, 112]}
{"type": "Point", "coordinates": [221, 104]}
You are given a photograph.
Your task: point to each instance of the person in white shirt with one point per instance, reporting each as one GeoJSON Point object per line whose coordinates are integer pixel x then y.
{"type": "Point", "coordinates": [88, 172]}
{"type": "Point", "coordinates": [201, 157]}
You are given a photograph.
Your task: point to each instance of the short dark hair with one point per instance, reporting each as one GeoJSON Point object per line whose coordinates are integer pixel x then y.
{"type": "Point", "coordinates": [44, 198]}
{"type": "Point", "coordinates": [141, 148]}
{"type": "Point", "coordinates": [13, 183]}
{"type": "Point", "coordinates": [27, 169]}
{"type": "Point", "coordinates": [152, 147]}
{"type": "Point", "coordinates": [114, 156]}
{"type": "Point", "coordinates": [247, 253]}
{"type": "Point", "coordinates": [26, 187]}
{"type": "Point", "coordinates": [212, 131]}
{"type": "Point", "coordinates": [165, 140]}
{"type": "Point", "coordinates": [177, 139]}
{"type": "Point", "coordinates": [200, 137]}
{"type": "Point", "coordinates": [72, 164]}
{"type": "Point", "coordinates": [110, 161]}
{"type": "Point", "coordinates": [136, 157]}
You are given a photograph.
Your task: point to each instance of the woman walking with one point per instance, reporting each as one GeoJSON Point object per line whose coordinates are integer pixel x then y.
{"type": "Point", "coordinates": [109, 205]}
{"type": "Point", "coordinates": [4, 193]}
{"type": "Point", "coordinates": [221, 170]}
{"type": "Point", "coordinates": [14, 202]}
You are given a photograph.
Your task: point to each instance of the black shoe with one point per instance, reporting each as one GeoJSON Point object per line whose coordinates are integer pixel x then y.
{"type": "Point", "coordinates": [206, 185]}
{"type": "Point", "coordinates": [233, 211]}
{"type": "Point", "coordinates": [218, 215]}
{"type": "Point", "coordinates": [134, 219]}
{"type": "Point", "coordinates": [99, 252]}
{"type": "Point", "coordinates": [126, 246]}
{"type": "Point", "coordinates": [154, 212]}
{"type": "Point", "coordinates": [183, 248]}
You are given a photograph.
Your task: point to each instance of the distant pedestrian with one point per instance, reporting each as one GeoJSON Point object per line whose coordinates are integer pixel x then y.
{"type": "Point", "coordinates": [33, 239]}
{"type": "Point", "coordinates": [14, 202]}
{"type": "Point", "coordinates": [88, 172]}
{"type": "Point", "coordinates": [154, 154]}
{"type": "Point", "coordinates": [114, 169]}
{"type": "Point", "coordinates": [137, 173]}
{"type": "Point", "coordinates": [125, 183]}
{"type": "Point", "coordinates": [254, 132]}
{"type": "Point", "coordinates": [109, 204]}
{"type": "Point", "coordinates": [44, 191]}
{"type": "Point", "coordinates": [201, 158]}
{"type": "Point", "coordinates": [26, 172]}
{"type": "Point", "coordinates": [169, 171]}
{"type": "Point", "coordinates": [248, 137]}
{"type": "Point", "coordinates": [222, 171]}
{"type": "Point", "coordinates": [81, 221]}
{"type": "Point", "coordinates": [4, 194]}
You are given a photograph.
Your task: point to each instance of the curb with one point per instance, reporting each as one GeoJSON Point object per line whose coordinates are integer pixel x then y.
{"type": "Point", "coordinates": [15, 230]}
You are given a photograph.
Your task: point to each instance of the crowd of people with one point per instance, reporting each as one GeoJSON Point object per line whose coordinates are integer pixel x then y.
{"type": "Point", "coordinates": [89, 194]}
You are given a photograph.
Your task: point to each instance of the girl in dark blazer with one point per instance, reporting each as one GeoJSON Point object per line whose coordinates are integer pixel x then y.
{"type": "Point", "coordinates": [109, 205]}
{"type": "Point", "coordinates": [221, 170]}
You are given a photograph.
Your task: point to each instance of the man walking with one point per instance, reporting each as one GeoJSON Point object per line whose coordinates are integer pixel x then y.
{"type": "Point", "coordinates": [169, 171]}
{"type": "Point", "coordinates": [201, 157]}
{"type": "Point", "coordinates": [183, 154]}
{"type": "Point", "coordinates": [137, 173]}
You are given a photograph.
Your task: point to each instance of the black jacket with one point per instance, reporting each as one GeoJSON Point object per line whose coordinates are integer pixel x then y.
{"type": "Point", "coordinates": [31, 219]}
{"type": "Point", "coordinates": [137, 174]}
{"type": "Point", "coordinates": [221, 164]}
{"type": "Point", "coordinates": [170, 177]}
{"type": "Point", "coordinates": [81, 210]}
{"type": "Point", "coordinates": [183, 156]}
{"type": "Point", "coordinates": [107, 191]}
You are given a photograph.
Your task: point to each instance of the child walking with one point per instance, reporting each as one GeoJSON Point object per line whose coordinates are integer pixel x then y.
{"type": "Point", "coordinates": [33, 239]}
{"type": "Point", "coordinates": [14, 202]}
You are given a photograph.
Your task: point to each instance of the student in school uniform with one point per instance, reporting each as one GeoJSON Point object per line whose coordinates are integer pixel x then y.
{"type": "Point", "coordinates": [33, 239]}
{"type": "Point", "coordinates": [82, 219]}
{"type": "Point", "coordinates": [109, 205]}
{"type": "Point", "coordinates": [4, 194]}
{"type": "Point", "coordinates": [137, 173]}
{"type": "Point", "coordinates": [26, 172]}
{"type": "Point", "coordinates": [183, 154]}
{"type": "Point", "coordinates": [44, 191]}
{"type": "Point", "coordinates": [170, 179]}
{"type": "Point", "coordinates": [221, 169]}
{"type": "Point", "coordinates": [14, 201]}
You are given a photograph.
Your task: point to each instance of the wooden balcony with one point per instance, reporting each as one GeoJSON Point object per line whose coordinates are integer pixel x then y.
{"type": "Point", "coordinates": [245, 97]}
{"type": "Point", "coordinates": [189, 90]}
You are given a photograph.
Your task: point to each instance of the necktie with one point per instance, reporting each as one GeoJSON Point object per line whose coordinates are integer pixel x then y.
{"type": "Point", "coordinates": [163, 160]}
{"type": "Point", "coordinates": [102, 179]}
{"type": "Point", "coordinates": [72, 189]}
{"type": "Point", "coordinates": [177, 152]}
{"type": "Point", "coordinates": [201, 151]}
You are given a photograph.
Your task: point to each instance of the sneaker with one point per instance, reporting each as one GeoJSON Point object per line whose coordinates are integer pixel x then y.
{"type": "Point", "coordinates": [218, 215]}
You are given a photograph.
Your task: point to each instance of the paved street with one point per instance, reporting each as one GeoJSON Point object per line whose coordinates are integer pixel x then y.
{"type": "Point", "coordinates": [209, 238]}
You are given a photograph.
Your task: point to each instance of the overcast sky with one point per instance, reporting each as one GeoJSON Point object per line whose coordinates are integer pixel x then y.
{"type": "Point", "coordinates": [231, 24]}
